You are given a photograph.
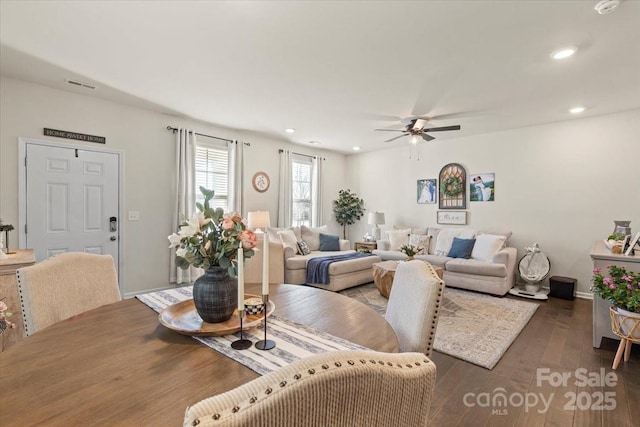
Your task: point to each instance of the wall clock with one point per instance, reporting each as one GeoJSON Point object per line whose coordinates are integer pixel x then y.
{"type": "Point", "coordinates": [261, 182]}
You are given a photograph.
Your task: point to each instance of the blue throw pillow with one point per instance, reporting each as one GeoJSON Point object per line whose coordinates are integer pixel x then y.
{"type": "Point", "coordinates": [461, 248]}
{"type": "Point", "coordinates": [329, 242]}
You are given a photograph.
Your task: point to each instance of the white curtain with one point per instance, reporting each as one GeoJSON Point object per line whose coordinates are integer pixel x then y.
{"type": "Point", "coordinates": [236, 181]}
{"type": "Point", "coordinates": [316, 193]}
{"type": "Point", "coordinates": [284, 191]}
{"type": "Point", "coordinates": [185, 198]}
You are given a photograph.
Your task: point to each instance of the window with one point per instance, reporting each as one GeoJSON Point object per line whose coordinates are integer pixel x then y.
{"type": "Point", "coordinates": [301, 190]}
{"type": "Point", "coordinates": [212, 172]}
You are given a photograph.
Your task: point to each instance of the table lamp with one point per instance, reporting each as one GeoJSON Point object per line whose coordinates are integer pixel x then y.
{"type": "Point", "coordinates": [258, 220]}
{"type": "Point", "coordinates": [375, 219]}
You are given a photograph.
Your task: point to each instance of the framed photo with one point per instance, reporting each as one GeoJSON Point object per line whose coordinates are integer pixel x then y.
{"type": "Point", "coordinates": [482, 187]}
{"type": "Point", "coordinates": [632, 243]}
{"type": "Point", "coordinates": [452, 217]}
{"type": "Point", "coordinates": [427, 191]}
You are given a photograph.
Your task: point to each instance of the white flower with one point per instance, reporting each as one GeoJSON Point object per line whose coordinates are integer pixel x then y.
{"type": "Point", "coordinates": [181, 252]}
{"type": "Point", "coordinates": [191, 229]}
{"type": "Point", "coordinates": [202, 221]}
{"type": "Point", "coordinates": [174, 239]}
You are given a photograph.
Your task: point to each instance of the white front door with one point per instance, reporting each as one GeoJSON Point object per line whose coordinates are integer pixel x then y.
{"type": "Point", "coordinates": [71, 201]}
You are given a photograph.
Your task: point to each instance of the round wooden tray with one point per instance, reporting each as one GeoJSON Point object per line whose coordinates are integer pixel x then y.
{"type": "Point", "coordinates": [184, 319]}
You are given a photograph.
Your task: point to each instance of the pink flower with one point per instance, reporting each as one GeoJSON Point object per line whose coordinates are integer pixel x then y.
{"type": "Point", "coordinates": [608, 281]}
{"type": "Point", "coordinates": [628, 279]}
{"type": "Point", "coordinates": [233, 216]}
{"type": "Point", "coordinates": [612, 286]}
{"type": "Point", "coordinates": [596, 270]}
{"type": "Point", "coordinates": [630, 287]}
{"type": "Point", "coordinates": [228, 224]}
{"type": "Point", "coordinates": [249, 239]}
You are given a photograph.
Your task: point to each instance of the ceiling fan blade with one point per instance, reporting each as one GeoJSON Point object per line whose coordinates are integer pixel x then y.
{"type": "Point", "coordinates": [427, 137]}
{"type": "Point", "coordinates": [442, 128]}
{"type": "Point", "coordinates": [399, 136]}
{"type": "Point", "coordinates": [391, 130]}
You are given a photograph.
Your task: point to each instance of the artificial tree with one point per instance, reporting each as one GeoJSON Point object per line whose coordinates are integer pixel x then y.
{"type": "Point", "coordinates": [348, 208]}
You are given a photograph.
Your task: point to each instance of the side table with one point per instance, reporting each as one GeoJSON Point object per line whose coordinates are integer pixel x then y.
{"type": "Point", "coordinates": [366, 246]}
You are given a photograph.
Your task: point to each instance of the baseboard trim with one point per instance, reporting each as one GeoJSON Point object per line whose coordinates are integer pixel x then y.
{"type": "Point", "coordinates": [584, 295]}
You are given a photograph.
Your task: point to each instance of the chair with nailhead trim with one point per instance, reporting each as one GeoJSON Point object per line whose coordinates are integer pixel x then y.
{"type": "Point", "coordinates": [414, 305]}
{"type": "Point", "coordinates": [65, 285]}
{"type": "Point", "coordinates": [338, 388]}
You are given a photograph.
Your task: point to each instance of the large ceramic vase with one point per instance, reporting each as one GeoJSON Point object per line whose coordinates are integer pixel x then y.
{"type": "Point", "coordinates": [215, 295]}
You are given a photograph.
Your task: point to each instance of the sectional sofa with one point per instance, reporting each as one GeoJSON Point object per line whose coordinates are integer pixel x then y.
{"type": "Point", "coordinates": [489, 268]}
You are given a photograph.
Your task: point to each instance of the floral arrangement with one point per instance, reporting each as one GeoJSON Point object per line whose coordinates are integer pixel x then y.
{"type": "Point", "coordinates": [4, 322]}
{"type": "Point", "coordinates": [621, 289]}
{"type": "Point", "coordinates": [212, 238]}
{"type": "Point", "coordinates": [410, 250]}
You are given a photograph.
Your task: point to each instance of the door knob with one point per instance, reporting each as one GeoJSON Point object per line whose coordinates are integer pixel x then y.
{"type": "Point", "coordinates": [112, 238]}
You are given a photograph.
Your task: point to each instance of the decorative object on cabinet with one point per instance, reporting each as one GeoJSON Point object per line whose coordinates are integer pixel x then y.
{"type": "Point", "coordinates": [453, 181]}
{"type": "Point", "coordinates": [375, 219]}
{"type": "Point", "coordinates": [261, 182]}
{"type": "Point", "coordinates": [482, 187]}
{"type": "Point", "coordinates": [635, 241]}
{"type": "Point", "coordinates": [622, 227]}
{"type": "Point", "coordinates": [427, 191]}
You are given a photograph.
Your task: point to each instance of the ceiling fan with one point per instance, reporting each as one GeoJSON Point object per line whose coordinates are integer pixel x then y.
{"type": "Point", "coordinates": [416, 128]}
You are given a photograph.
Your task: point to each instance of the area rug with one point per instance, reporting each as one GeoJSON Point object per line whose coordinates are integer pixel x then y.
{"type": "Point", "coordinates": [474, 327]}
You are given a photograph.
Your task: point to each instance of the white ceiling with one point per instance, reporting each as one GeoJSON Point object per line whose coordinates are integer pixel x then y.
{"type": "Point", "coordinates": [334, 70]}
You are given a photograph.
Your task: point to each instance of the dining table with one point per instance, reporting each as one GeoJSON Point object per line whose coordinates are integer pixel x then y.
{"type": "Point", "coordinates": [117, 365]}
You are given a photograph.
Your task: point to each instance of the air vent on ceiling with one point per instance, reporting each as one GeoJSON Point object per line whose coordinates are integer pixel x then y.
{"type": "Point", "coordinates": [80, 84]}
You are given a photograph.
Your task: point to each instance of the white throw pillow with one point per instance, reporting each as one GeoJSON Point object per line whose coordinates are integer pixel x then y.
{"type": "Point", "coordinates": [486, 246]}
{"type": "Point", "coordinates": [445, 239]}
{"type": "Point", "coordinates": [420, 241]}
{"type": "Point", "coordinates": [288, 239]}
{"type": "Point", "coordinates": [398, 238]}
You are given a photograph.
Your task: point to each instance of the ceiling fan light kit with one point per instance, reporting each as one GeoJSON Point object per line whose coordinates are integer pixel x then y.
{"type": "Point", "coordinates": [416, 128]}
{"type": "Point", "coordinates": [606, 6]}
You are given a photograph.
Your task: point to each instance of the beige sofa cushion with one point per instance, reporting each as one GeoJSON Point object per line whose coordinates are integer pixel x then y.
{"type": "Point", "coordinates": [397, 238]}
{"type": "Point", "coordinates": [486, 246]}
{"type": "Point", "coordinates": [272, 233]}
{"type": "Point", "coordinates": [445, 238]}
{"type": "Point", "coordinates": [475, 267]}
{"type": "Point", "coordinates": [288, 239]}
{"type": "Point", "coordinates": [435, 260]}
{"type": "Point", "coordinates": [312, 236]}
{"type": "Point", "coordinates": [420, 241]}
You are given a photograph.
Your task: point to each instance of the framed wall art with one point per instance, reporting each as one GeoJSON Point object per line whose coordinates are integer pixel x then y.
{"type": "Point", "coordinates": [453, 187]}
{"type": "Point", "coordinates": [427, 191]}
{"type": "Point", "coordinates": [452, 217]}
{"type": "Point", "coordinates": [261, 182]}
{"type": "Point", "coordinates": [482, 187]}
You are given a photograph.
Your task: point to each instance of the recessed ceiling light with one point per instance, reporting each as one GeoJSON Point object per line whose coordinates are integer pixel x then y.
{"type": "Point", "coordinates": [606, 6]}
{"type": "Point", "coordinates": [576, 110]}
{"type": "Point", "coordinates": [356, 148]}
{"type": "Point", "coordinates": [563, 53]}
{"type": "Point", "coordinates": [289, 130]}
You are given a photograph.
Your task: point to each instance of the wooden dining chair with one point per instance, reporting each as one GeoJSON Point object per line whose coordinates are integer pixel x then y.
{"type": "Point", "coordinates": [338, 388]}
{"type": "Point", "coordinates": [64, 286]}
{"type": "Point", "coordinates": [414, 304]}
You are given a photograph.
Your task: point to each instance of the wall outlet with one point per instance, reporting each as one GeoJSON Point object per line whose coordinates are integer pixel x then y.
{"type": "Point", "coordinates": [134, 216]}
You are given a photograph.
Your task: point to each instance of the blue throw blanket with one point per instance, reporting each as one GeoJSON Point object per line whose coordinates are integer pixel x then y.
{"type": "Point", "coordinates": [318, 268]}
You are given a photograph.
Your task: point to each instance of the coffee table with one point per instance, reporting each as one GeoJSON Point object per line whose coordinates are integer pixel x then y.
{"type": "Point", "coordinates": [384, 272]}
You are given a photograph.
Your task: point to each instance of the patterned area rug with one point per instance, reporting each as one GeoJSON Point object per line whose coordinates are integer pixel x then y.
{"type": "Point", "coordinates": [473, 327]}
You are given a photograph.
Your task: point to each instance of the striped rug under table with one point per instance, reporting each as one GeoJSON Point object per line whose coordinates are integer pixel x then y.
{"type": "Point", "coordinates": [293, 340]}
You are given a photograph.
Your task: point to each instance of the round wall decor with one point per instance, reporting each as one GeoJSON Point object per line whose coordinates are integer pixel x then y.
{"type": "Point", "coordinates": [261, 182]}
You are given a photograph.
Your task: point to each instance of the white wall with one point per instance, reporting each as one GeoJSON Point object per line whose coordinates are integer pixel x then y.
{"type": "Point", "coordinates": [560, 184]}
{"type": "Point", "coordinates": [25, 109]}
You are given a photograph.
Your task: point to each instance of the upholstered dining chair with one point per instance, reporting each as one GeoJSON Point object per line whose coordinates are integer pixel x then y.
{"type": "Point", "coordinates": [65, 285]}
{"type": "Point", "coordinates": [414, 305]}
{"type": "Point", "coordinates": [338, 388]}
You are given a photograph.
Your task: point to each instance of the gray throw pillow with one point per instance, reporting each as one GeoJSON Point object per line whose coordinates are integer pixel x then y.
{"type": "Point", "coordinates": [329, 242]}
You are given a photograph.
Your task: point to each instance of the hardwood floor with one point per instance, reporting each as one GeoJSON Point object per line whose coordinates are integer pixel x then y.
{"type": "Point", "coordinates": [556, 341]}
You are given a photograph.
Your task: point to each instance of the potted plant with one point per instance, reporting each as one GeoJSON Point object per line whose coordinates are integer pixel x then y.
{"type": "Point", "coordinates": [615, 242]}
{"type": "Point", "coordinates": [622, 289]}
{"type": "Point", "coordinates": [348, 208]}
{"type": "Point", "coordinates": [411, 250]}
{"type": "Point", "coordinates": [210, 240]}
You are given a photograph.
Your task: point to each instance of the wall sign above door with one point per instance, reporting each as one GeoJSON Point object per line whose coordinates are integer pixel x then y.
{"type": "Point", "coordinates": [74, 135]}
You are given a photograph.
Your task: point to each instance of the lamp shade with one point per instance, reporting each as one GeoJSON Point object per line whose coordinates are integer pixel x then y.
{"type": "Point", "coordinates": [375, 218]}
{"type": "Point", "coordinates": [259, 219]}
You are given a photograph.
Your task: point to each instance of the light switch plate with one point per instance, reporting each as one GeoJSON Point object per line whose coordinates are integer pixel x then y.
{"type": "Point", "coordinates": [134, 216]}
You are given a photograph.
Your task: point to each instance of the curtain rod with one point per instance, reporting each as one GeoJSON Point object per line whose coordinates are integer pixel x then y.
{"type": "Point", "coordinates": [300, 154]}
{"type": "Point", "coordinates": [202, 134]}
